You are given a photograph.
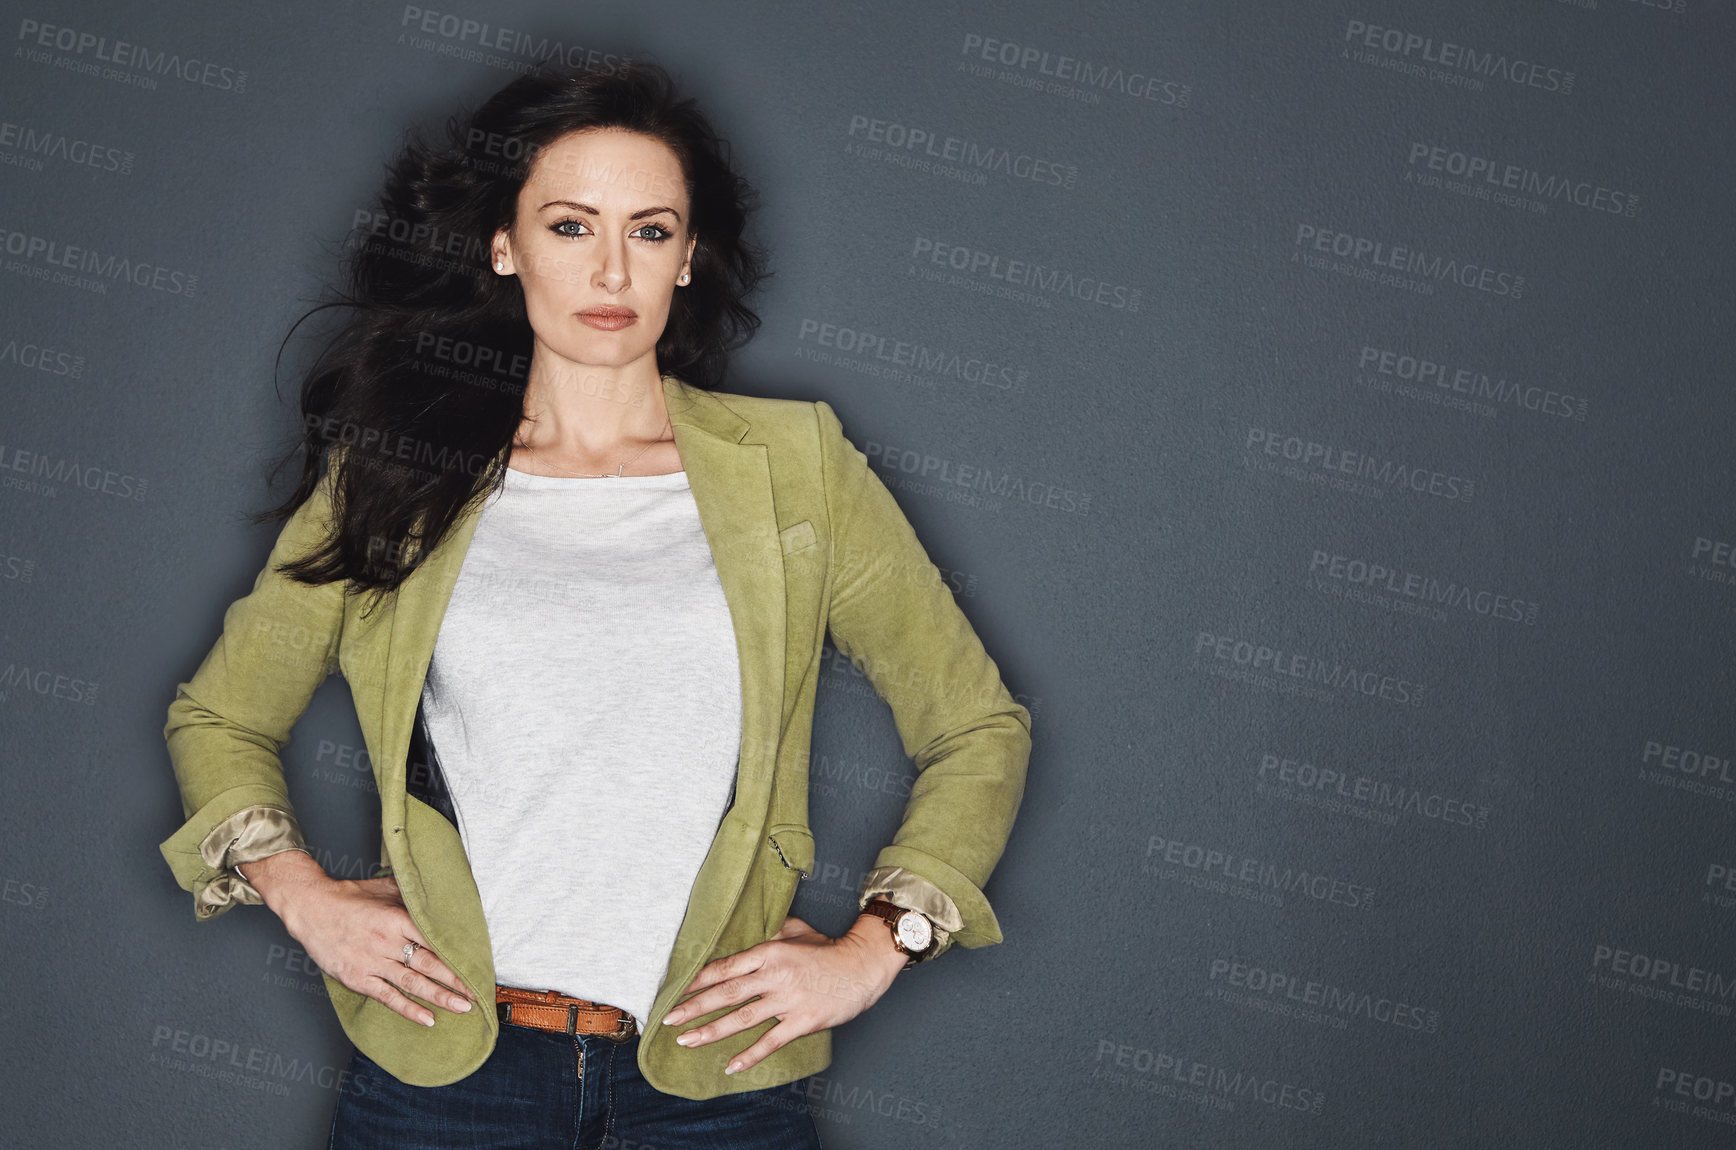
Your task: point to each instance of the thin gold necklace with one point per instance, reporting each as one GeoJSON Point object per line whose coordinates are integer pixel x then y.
{"type": "Point", "coordinates": [618, 470]}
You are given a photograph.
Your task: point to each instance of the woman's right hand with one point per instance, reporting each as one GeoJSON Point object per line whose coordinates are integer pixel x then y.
{"type": "Point", "coordinates": [355, 931]}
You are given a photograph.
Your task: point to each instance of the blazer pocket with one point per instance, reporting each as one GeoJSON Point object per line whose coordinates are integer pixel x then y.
{"type": "Point", "coordinates": [794, 847]}
{"type": "Point", "coordinates": [797, 536]}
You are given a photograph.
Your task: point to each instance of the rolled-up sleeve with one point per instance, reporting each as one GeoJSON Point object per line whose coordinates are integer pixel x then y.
{"type": "Point", "coordinates": [250, 834]}
{"type": "Point", "coordinates": [911, 891]}
{"type": "Point", "coordinates": [891, 613]}
{"type": "Point", "coordinates": [228, 723]}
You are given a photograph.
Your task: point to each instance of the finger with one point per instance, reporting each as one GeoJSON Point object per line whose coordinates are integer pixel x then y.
{"type": "Point", "coordinates": [436, 981]}
{"type": "Point", "coordinates": [413, 981]}
{"type": "Point", "coordinates": [729, 966]}
{"type": "Point", "coordinates": [426, 961]}
{"type": "Point", "coordinates": [718, 995]}
{"type": "Point", "coordinates": [725, 994]}
{"type": "Point", "coordinates": [748, 1014]}
{"type": "Point", "coordinates": [382, 990]}
{"type": "Point", "coordinates": [712, 972]}
{"type": "Point", "coordinates": [784, 1032]}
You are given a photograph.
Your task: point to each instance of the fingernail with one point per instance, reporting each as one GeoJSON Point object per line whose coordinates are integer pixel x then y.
{"type": "Point", "coordinates": [463, 1005]}
{"type": "Point", "coordinates": [427, 1022]}
{"type": "Point", "coordinates": [683, 1039]}
{"type": "Point", "coordinates": [670, 1020]}
{"type": "Point", "coordinates": [732, 1068]}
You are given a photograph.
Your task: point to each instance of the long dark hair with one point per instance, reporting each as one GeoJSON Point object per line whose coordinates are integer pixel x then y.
{"type": "Point", "coordinates": [417, 396]}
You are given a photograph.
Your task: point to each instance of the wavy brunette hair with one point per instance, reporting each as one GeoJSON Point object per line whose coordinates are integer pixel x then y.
{"type": "Point", "coordinates": [419, 393]}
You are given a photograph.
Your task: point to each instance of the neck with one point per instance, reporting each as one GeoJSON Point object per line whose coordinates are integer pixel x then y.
{"type": "Point", "coordinates": [582, 411]}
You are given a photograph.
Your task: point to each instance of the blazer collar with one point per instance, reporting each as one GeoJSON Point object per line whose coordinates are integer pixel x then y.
{"type": "Point", "coordinates": [730, 477]}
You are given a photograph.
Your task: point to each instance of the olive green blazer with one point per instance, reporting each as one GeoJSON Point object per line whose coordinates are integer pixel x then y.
{"type": "Point", "coordinates": [806, 539]}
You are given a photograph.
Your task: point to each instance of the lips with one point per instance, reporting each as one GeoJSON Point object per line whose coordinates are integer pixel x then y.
{"type": "Point", "coordinates": [609, 318]}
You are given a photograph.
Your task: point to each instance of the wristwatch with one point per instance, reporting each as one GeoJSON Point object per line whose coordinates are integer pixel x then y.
{"type": "Point", "coordinates": [912, 933]}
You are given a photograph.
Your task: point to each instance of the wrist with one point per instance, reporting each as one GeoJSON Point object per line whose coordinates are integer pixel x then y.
{"type": "Point", "coordinates": [870, 931]}
{"type": "Point", "coordinates": [280, 877]}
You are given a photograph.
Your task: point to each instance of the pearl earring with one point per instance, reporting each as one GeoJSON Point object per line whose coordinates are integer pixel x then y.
{"type": "Point", "coordinates": [499, 265]}
{"type": "Point", "coordinates": [683, 278]}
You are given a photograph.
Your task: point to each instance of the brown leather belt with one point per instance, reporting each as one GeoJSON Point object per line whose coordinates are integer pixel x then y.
{"type": "Point", "coordinates": [562, 1014]}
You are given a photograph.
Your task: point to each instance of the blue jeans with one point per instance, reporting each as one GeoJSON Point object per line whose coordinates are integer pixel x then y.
{"type": "Point", "coordinates": [530, 1093]}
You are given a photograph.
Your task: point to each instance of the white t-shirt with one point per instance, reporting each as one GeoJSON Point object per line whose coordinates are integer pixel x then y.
{"type": "Point", "coordinates": [584, 702]}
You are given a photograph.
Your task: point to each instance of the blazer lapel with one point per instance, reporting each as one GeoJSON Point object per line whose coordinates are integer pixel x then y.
{"type": "Point", "coordinates": [731, 482]}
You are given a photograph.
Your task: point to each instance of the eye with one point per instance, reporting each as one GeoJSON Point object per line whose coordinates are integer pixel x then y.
{"type": "Point", "coordinates": [568, 228]}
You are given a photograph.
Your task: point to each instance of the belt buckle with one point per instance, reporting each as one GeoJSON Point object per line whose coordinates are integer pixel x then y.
{"type": "Point", "coordinates": [621, 1034]}
{"type": "Point", "coordinates": [625, 1030]}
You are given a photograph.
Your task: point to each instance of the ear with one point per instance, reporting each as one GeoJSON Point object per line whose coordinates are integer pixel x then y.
{"type": "Point", "coordinates": [500, 252]}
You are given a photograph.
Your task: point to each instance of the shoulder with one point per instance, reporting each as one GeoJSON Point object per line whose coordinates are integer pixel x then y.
{"type": "Point", "coordinates": [807, 420]}
{"type": "Point", "coordinates": [765, 408]}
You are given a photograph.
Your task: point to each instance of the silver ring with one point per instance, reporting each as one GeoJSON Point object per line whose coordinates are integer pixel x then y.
{"type": "Point", "coordinates": [410, 949]}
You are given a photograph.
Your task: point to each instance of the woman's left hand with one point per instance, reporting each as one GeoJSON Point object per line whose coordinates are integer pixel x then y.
{"type": "Point", "coordinates": [807, 980]}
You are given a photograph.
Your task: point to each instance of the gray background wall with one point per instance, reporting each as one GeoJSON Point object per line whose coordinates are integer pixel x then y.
{"type": "Point", "coordinates": [1382, 786]}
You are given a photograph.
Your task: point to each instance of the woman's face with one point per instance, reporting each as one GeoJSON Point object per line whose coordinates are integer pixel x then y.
{"type": "Point", "coordinates": [602, 228]}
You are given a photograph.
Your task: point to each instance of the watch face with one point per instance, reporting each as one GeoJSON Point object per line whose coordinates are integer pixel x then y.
{"type": "Point", "coordinates": [914, 931]}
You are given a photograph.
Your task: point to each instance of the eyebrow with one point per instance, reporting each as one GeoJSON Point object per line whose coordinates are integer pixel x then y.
{"type": "Point", "coordinates": [578, 207]}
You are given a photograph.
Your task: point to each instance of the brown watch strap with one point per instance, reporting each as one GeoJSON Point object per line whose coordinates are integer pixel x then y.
{"type": "Point", "coordinates": [892, 912]}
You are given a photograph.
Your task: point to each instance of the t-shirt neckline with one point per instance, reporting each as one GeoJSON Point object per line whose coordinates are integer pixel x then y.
{"type": "Point", "coordinates": [517, 478]}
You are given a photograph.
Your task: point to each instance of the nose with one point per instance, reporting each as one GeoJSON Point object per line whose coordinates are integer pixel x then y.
{"type": "Point", "coordinates": [612, 275]}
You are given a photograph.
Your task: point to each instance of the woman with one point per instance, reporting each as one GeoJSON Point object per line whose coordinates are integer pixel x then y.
{"type": "Point", "coordinates": [579, 597]}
